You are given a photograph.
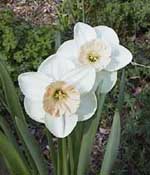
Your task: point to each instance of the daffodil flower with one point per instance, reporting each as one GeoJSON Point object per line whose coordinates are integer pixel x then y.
{"type": "Point", "coordinates": [58, 95]}
{"type": "Point", "coordinates": [97, 48]}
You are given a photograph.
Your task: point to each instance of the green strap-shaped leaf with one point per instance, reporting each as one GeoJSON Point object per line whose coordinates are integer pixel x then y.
{"type": "Point", "coordinates": [76, 139]}
{"type": "Point", "coordinates": [12, 157]}
{"type": "Point", "coordinates": [112, 146]}
{"type": "Point", "coordinates": [11, 138]}
{"type": "Point", "coordinates": [4, 168]}
{"type": "Point", "coordinates": [10, 93]}
{"type": "Point", "coordinates": [114, 139]}
{"type": "Point", "coordinates": [15, 109]}
{"type": "Point", "coordinates": [90, 128]}
{"type": "Point", "coordinates": [57, 39]}
{"type": "Point", "coordinates": [32, 146]}
{"type": "Point", "coordinates": [121, 92]}
{"type": "Point", "coordinates": [12, 105]}
{"type": "Point", "coordinates": [7, 131]}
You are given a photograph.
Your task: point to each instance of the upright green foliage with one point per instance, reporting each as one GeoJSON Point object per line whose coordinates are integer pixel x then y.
{"type": "Point", "coordinates": [112, 146]}
{"type": "Point", "coordinates": [135, 136]}
{"type": "Point", "coordinates": [34, 150]}
{"type": "Point", "coordinates": [90, 128]}
{"type": "Point", "coordinates": [10, 93]}
{"type": "Point", "coordinates": [16, 111]}
{"type": "Point", "coordinates": [7, 130]}
{"type": "Point", "coordinates": [24, 46]}
{"type": "Point", "coordinates": [12, 158]}
{"type": "Point", "coordinates": [114, 138]}
{"type": "Point", "coordinates": [121, 92]}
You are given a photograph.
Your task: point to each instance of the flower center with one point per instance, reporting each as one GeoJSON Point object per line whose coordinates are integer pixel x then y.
{"type": "Point", "coordinates": [95, 53]}
{"type": "Point", "coordinates": [61, 99]}
{"type": "Point", "coordinates": [59, 94]}
{"type": "Point", "coordinates": [93, 57]}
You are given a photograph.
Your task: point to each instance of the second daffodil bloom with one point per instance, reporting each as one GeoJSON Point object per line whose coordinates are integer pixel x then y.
{"type": "Point", "coordinates": [97, 48]}
{"type": "Point", "coordinates": [57, 95]}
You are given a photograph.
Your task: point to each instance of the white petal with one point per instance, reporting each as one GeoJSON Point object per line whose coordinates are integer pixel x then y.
{"type": "Point", "coordinates": [105, 80]}
{"type": "Point", "coordinates": [87, 107]}
{"type": "Point", "coordinates": [120, 57]}
{"type": "Point", "coordinates": [61, 126]}
{"type": "Point", "coordinates": [33, 84]}
{"type": "Point", "coordinates": [107, 34]}
{"type": "Point", "coordinates": [82, 78]}
{"type": "Point", "coordinates": [55, 67]}
{"type": "Point", "coordinates": [68, 50]}
{"type": "Point", "coordinates": [34, 109]}
{"type": "Point", "coordinates": [83, 33]}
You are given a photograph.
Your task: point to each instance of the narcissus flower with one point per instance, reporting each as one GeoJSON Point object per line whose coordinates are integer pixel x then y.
{"type": "Point", "coordinates": [58, 95]}
{"type": "Point", "coordinates": [97, 48]}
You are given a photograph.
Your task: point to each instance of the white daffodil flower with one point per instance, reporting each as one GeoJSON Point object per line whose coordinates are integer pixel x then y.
{"type": "Point", "coordinates": [97, 48]}
{"type": "Point", "coordinates": [58, 95]}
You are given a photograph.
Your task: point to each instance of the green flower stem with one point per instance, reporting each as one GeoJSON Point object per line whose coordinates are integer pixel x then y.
{"type": "Point", "coordinates": [71, 10]}
{"type": "Point", "coordinates": [121, 92]}
{"type": "Point", "coordinates": [77, 139]}
{"type": "Point", "coordinates": [78, 4]}
{"type": "Point", "coordinates": [70, 147]}
{"type": "Point", "coordinates": [59, 170]}
{"type": "Point", "coordinates": [64, 157]}
{"type": "Point", "coordinates": [83, 11]}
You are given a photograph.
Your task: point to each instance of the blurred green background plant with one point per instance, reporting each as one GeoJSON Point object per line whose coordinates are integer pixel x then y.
{"type": "Point", "coordinates": [23, 46]}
